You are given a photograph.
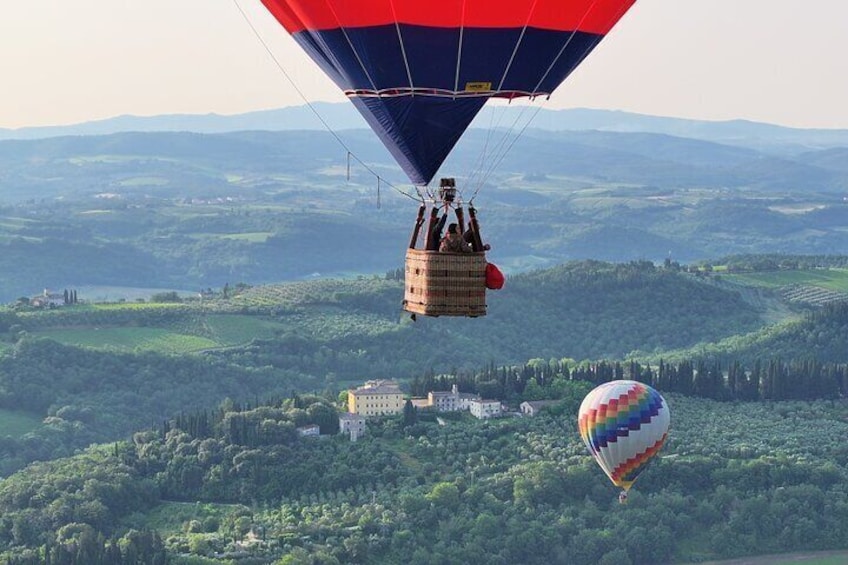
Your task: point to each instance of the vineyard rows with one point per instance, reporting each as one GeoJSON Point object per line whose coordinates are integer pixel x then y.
{"type": "Point", "coordinates": [302, 293]}
{"type": "Point", "coordinates": [812, 295]}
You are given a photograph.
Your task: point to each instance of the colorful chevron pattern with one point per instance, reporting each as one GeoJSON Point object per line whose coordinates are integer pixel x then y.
{"type": "Point", "coordinates": [624, 424]}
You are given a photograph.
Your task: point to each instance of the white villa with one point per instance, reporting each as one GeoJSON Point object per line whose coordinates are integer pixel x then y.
{"type": "Point", "coordinates": [452, 401]}
{"type": "Point", "coordinates": [484, 409]}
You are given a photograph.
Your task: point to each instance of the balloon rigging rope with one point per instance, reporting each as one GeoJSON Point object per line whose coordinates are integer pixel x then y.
{"type": "Point", "coordinates": [402, 51]}
{"type": "Point", "coordinates": [480, 164]}
{"type": "Point", "coordinates": [499, 158]}
{"type": "Point", "coordinates": [518, 44]}
{"type": "Point", "coordinates": [459, 48]}
{"type": "Point", "coordinates": [496, 163]}
{"type": "Point", "coordinates": [567, 43]}
{"type": "Point", "coordinates": [477, 165]}
{"type": "Point", "coordinates": [352, 48]}
{"type": "Point", "coordinates": [318, 115]}
{"type": "Point", "coordinates": [504, 153]}
{"type": "Point", "coordinates": [499, 152]}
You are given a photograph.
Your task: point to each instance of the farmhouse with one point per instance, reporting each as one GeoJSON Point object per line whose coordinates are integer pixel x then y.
{"type": "Point", "coordinates": [352, 425]}
{"type": "Point", "coordinates": [532, 407]}
{"type": "Point", "coordinates": [49, 299]}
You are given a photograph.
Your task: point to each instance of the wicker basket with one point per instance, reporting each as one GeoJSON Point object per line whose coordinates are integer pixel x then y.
{"type": "Point", "coordinates": [445, 284]}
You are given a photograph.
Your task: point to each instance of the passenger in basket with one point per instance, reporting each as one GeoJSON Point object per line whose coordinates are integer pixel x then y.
{"type": "Point", "coordinates": [435, 238]}
{"type": "Point", "coordinates": [454, 241]}
{"type": "Point", "coordinates": [469, 237]}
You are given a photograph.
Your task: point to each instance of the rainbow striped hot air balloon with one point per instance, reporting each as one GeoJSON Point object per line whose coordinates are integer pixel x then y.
{"type": "Point", "coordinates": [624, 424]}
{"type": "Point", "coordinates": [420, 70]}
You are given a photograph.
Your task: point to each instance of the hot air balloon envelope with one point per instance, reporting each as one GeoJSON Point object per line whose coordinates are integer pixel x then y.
{"type": "Point", "coordinates": [624, 424]}
{"type": "Point", "coordinates": [420, 70]}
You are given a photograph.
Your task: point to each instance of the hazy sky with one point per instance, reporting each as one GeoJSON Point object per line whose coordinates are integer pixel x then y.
{"type": "Point", "coordinates": [68, 61]}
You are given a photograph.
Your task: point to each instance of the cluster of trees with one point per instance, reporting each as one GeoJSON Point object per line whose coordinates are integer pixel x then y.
{"type": "Point", "coordinates": [773, 379]}
{"type": "Point", "coordinates": [272, 422]}
{"type": "Point", "coordinates": [80, 544]}
{"type": "Point", "coordinates": [89, 316]}
{"type": "Point", "coordinates": [95, 489]}
{"type": "Point", "coordinates": [91, 396]}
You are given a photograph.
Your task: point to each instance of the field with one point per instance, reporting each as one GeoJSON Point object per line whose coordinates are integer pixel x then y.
{"type": "Point", "coordinates": [238, 329]}
{"type": "Point", "coordinates": [131, 339]}
{"type": "Point", "coordinates": [16, 424]}
{"type": "Point", "coordinates": [202, 333]}
{"type": "Point", "coordinates": [807, 558]}
{"type": "Point", "coordinates": [832, 279]}
{"type": "Point", "coordinates": [96, 294]}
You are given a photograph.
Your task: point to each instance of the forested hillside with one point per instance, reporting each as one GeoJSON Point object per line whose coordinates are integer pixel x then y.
{"type": "Point", "coordinates": [734, 479]}
{"type": "Point", "coordinates": [104, 371]}
{"type": "Point", "coordinates": [819, 335]}
{"type": "Point", "coordinates": [221, 384]}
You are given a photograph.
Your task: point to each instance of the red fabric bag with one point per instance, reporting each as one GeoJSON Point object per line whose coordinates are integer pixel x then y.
{"type": "Point", "coordinates": [494, 277]}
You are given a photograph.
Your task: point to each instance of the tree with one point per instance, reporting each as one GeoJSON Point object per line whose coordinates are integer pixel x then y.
{"type": "Point", "coordinates": [170, 296]}
{"type": "Point", "coordinates": [410, 414]}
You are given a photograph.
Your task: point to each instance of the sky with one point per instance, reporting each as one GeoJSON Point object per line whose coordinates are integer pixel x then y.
{"type": "Point", "coordinates": [65, 62]}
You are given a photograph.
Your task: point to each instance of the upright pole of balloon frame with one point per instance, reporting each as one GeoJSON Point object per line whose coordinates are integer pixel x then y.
{"type": "Point", "coordinates": [475, 229]}
{"type": "Point", "coordinates": [460, 218]}
{"type": "Point", "coordinates": [434, 215]}
{"type": "Point", "coordinates": [419, 221]}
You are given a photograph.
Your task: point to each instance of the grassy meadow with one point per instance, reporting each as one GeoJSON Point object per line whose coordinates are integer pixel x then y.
{"type": "Point", "coordinates": [130, 339]}
{"type": "Point", "coordinates": [832, 279]}
{"type": "Point", "coordinates": [16, 424]}
{"type": "Point", "coordinates": [197, 332]}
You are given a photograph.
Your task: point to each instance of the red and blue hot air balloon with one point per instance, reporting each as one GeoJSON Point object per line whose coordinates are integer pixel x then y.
{"type": "Point", "coordinates": [420, 70]}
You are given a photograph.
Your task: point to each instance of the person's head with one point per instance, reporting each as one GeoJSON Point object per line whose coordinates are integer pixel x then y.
{"type": "Point", "coordinates": [453, 228]}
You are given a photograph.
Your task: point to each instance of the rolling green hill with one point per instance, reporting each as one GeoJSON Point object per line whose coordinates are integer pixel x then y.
{"type": "Point", "coordinates": [106, 370]}
{"type": "Point", "coordinates": [584, 310]}
{"type": "Point", "coordinates": [84, 374]}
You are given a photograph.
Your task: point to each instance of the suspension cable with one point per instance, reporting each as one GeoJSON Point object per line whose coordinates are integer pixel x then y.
{"type": "Point", "coordinates": [317, 114]}
{"type": "Point", "coordinates": [509, 147]}
{"type": "Point", "coordinates": [507, 133]}
{"type": "Point", "coordinates": [615, 16]}
{"type": "Point", "coordinates": [477, 167]}
{"type": "Point", "coordinates": [518, 44]}
{"type": "Point", "coordinates": [459, 50]}
{"type": "Point", "coordinates": [567, 43]}
{"type": "Point", "coordinates": [402, 50]}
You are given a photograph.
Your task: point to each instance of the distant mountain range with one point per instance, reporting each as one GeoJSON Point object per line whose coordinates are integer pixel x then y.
{"type": "Point", "coordinates": [342, 116]}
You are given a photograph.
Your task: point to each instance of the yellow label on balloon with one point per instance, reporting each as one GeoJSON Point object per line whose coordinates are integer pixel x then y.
{"type": "Point", "coordinates": [478, 86]}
